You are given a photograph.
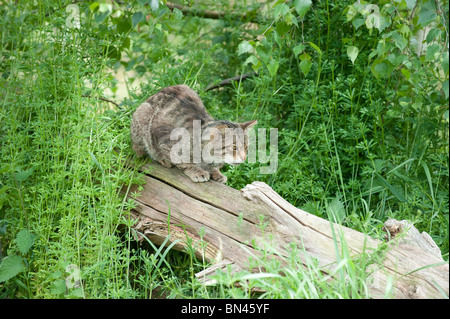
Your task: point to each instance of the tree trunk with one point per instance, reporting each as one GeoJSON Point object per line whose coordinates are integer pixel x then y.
{"type": "Point", "coordinates": [229, 221]}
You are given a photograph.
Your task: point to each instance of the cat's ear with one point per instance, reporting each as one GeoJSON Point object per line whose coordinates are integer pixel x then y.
{"type": "Point", "coordinates": [221, 127]}
{"type": "Point", "coordinates": [249, 124]}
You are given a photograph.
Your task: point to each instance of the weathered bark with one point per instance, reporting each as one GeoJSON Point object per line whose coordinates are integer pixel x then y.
{"type": "Point", "coordinates": [229, 220]}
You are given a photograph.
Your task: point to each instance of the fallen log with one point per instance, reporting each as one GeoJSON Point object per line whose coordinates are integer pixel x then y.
{"type": "Point", "coordinates": [228, 221]}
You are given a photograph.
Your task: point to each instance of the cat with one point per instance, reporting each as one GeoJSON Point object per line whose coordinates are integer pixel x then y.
{"type": "Point", "coordinates": [179, 109]}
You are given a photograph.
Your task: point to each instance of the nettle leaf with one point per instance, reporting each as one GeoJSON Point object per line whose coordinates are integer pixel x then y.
{"type": "Point", "coordinates": [10, 267]}
{"type": "Point", "coordinates": [352, 53]}
{"type": "Point", "coordinates": [22, 176]}
{"type": "Point", "coordinates": [24, 241]}
{"type": "Point", "coordinates": [137, 17]}
{"type": "Point", "coordinates": [302, 7]}
{"type": "Point", "coordinates": [336, 209]}
{"type": "Point", "coordinates": [58, 287]}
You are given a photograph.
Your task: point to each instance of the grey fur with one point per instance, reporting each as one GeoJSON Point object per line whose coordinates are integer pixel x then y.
{"type": "Point", "coordinates": [178, 107]}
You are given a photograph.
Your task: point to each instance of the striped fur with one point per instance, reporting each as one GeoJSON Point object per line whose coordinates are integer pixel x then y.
{"type": "Point", "coordinates": [180, 107]}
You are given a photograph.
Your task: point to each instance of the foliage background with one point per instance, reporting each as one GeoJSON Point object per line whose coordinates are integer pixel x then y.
{"type": "Point", "coordinates": [359, 98]}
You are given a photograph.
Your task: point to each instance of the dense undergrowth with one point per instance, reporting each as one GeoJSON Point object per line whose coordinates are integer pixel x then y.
{"type": "Point", "coordinates": [361, 112]}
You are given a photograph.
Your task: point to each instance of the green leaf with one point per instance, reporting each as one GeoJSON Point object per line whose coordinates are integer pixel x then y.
{"type": "Point", "coordinates": [281, 9]}
{"type": "Point", "coordinates": [381, 68]}
{"type": "Point", "coordinates": [351, 11]}
{"type": "Point", "coordinates": [251, 59]}
{"type": "Point", "coordinates": [429, 179]}
{"type": "Point", "coordinates": [434, 33]}
{"type": "Point", "coordinates": [445, 89]}
{"type": "Point", "coordinates": [263, 53]}
{"type": "Point", "coordinates": [399, 40]}
{"type": "Point", "coordinates": [396, 192]}
{"type": "Point", "coordinates": [137, 17]}
{"type": "Point", "coordinates": [22, 176]}
{"type": "Point", "coordinates": [244, 47]}
{"type": "Point", "coordinates": [410, 4]}
{"type": "Point", "coordinates": [427, 13]}
{"type": "Point", "coordinates": [352, 53]}
{"type": "Point", "coordinates": [336, 209]}
{"type": "Point", "coordinates": [406, 73]}
{"type": "Point", "coordinates": [272, 67]}
{"type": "Point", "coordinates": [315, 47]}
{"type": "Point", "coordinates": [305, 56]}
{"type": "Point", "coordinates": [10, 267]}
{"type": "Point", "coordinates": [177, 13]}
{"type": "Point", "coordinates": [302, 7]}
{"type": "Point", "coordinates": [298, 49]}
{"type": "Point", "coordinates": [24, 240]}
{"type": "Point", "coordinates": [282, 28]}
{"type": "Point", "coordinates": [384, 23]}
{"type": "Point", "coordinates": [305, 66]}
{"type": "Point", "coordinates": [358, 22]}
{"type": "Point", "coordinates": [123, 27]}
{"type": "Point", "coordinates": [94, 6]}
{"type": "Point", "coordinates": [58, 287]}
{"type": "Point", "coordinates": [105, 9]}
{"type": "Point", "coordinates": [431, 52]}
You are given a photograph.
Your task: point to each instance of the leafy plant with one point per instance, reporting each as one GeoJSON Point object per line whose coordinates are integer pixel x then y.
{"type": "Point", "coordinates": [361, 112]}
{"type": "Point", "coordinates": [15, 263]}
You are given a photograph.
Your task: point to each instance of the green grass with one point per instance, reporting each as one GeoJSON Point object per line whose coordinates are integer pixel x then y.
{"type": "Point", "coordinates": [349, 143]}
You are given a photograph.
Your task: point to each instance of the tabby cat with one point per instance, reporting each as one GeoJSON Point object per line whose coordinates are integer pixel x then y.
{"type": "Point", "coordinates": [158, 122]}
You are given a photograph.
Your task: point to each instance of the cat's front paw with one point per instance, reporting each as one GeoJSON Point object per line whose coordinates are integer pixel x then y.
{"type": "Point", "coordinates": [218, 176]}
{"type": "Point", "coordinates": [198, 175]}
{"type": "Point", "coordinates": [165, 162]}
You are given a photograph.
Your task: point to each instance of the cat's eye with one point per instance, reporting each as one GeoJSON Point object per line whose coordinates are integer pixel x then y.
{"type": "Point", "coordinates": [234, 147]}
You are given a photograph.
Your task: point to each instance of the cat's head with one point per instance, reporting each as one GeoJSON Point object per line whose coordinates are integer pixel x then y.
{"type": "Point", "coordinates": [226, 142]}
